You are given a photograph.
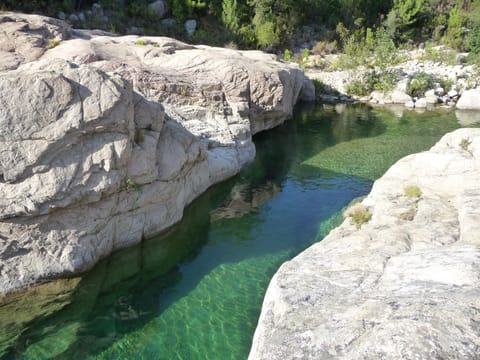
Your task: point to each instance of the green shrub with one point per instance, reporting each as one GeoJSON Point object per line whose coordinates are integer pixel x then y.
{"type": "Point", "coordinates": [287, 55]}
{"type": "Point", "coordinates": [385, 52]}
{"type": "Point", "coordinates": [302, 59]}
{"type": "Point", "coordinates": [383, 81]}
{"type": "Point", "coordinates": [412, 191]}
{"type": "Point", "coordinates": [325, 47]}
{"type": "Point", "coordinates": [141, 42]}
{"type": "Point", "coordinates": [359, 214]}
{"type": "Point", "coordinates": [454, 35]}
{"type": "Point", "coordinates": [446, 84]}
{"type": "Point", "coordinates": [322, 88]}
{"type": "Point", "coordinates": [357, 87]}
{"type": "Point", "coordinates": [473, 41]}
{"type": "Point", "coordinates": [420, 83]}
{"type": "Point", "coordinates": [131, 185]}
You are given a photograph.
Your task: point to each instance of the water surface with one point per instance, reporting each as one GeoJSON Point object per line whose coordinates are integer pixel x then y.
{"type": "Point", "coordinates": [195, 292]}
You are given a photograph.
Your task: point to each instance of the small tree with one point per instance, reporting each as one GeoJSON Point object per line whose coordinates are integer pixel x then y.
{"type": "Point", "coordinates": [229, 14]}
{"type": "Point", "coordinates": [454, 35]}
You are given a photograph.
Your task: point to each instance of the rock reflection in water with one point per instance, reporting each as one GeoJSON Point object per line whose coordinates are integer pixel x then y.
{"type": "Point", "coordinates": [244, 199]}
{"type": "Point", "coordinates": [18, 310]}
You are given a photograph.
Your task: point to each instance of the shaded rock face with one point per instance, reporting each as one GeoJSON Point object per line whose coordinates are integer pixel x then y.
{"type": "Point", "coordinates": [404, 285]}
{"type": "Point", "coordinates": [103, 142]}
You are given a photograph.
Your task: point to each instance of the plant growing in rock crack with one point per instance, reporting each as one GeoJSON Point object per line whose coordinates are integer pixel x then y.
{"type": "Point", "coordinates": [52, 43]}
{"type": "Point", "coordinates": [141, 42]}
{"type": "Point", "coordinates": [412, 191]}
{"type": "Point", "coordinates": [183, 90]}
{"type": "Point", "coordinates": [359, 214]}
{"type": "Point", "coordinates": [465, 144]}
{"type": "Point", "coordinates": [131, 185]}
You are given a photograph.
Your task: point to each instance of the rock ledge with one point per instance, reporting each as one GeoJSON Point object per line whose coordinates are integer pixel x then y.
{"type": "Point", "coordinates": [403, 286]}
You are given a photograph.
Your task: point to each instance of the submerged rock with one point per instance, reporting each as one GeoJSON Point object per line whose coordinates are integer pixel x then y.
{"type": "Point", "coordinates": [404, 285]}
{"type": "Point", "coordinates": [105, 140]}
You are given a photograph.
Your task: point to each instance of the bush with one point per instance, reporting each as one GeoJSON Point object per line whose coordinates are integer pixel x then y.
{"type": "Point", "coordinates": [322, 88]}
{"type": "Point", "coordinates": [385, 51]}
{"type": "Point", "coordinates": [357, 87]}
{"type": "Point", "coordinates": [325, 47]}
{"type": "Point", "coordinates": [419, 84]}
{"type": "Point", "coordinates": [384, 81]}
{"type": "Point", "coordinates": [473, 41]}
{"type": "Point", "coordinates": [454, 36]}
{"type": "Point", "coordinates": [359, 214]}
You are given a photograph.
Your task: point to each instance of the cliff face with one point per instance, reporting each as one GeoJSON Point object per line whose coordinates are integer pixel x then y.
{"type": "Point", "coordinates": [404, 285]}
{"type": "Point", "coordinates": [104, 140]}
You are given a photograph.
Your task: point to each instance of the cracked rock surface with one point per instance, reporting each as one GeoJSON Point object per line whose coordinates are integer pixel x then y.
{"type": "Point", "coordinates": [403, 286]}
{"type": "Point", "coordinates": [104, 140]}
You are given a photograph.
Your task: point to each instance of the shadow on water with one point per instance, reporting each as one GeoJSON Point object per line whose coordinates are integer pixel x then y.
{"type": "Point", "coordinates": [147, 299]}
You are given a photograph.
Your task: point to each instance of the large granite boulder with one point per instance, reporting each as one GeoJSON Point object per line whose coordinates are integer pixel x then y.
{"type": "Point", "coordinates": [104, 140]}
{"type": "Point", "coordinates": [405, 285]}
{"type": "Point", "coordinates": [469, 100]}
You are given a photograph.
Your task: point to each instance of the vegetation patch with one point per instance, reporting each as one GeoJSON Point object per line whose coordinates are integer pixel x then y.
{"type": "Point", "coordinates": [359, 214]}
{"type": "Point", "coordinates": [131, 185]}
{"type": "Point", "coordinates": [322, 88]}
{"type": "Point", "coordinates": [465, 145]}
{"type": "Point", "coordinates": [52, 43]}
{"type": "Point", "coordinates": [141, 42]}
{"type": "Point", "coordinates": [419, 84]}
{"type": "Point", "coordinates": [412, 191]}
{"type": "Point", "coordinates": [381, 81]}
{"type": "Point", "coordinates": [438, 55]}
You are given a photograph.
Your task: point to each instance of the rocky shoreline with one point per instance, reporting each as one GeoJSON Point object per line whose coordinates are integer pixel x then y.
{"type": "Point", "coordinates": [106, 139]}
{"type": "Point", "coordinates": [403, 285]}
{"type": "Point", "coordinates": [456, 85]}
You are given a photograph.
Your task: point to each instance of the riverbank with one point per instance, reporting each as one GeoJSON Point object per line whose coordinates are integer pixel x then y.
{"type": "Point", "coordinates": [400, 283]}
{"type": "Point", "coordinates": [421, 80]}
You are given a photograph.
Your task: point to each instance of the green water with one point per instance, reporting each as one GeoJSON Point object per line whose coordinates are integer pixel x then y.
{"type": "Point", "coordinates": [196, 291]}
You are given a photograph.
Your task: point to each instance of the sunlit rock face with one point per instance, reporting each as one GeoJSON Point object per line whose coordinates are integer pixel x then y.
{"type": "Point", "coordinates": [403, 285]}
{"type": "Point", "coordinates": [104, 139]}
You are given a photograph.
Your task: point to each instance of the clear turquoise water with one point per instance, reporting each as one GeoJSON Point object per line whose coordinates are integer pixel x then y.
{"type": "Point", "coordinates": [196, 291]}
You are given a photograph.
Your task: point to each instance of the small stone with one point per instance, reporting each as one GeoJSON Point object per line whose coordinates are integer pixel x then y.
{"type": "Point", "coordinates": [61, 15]}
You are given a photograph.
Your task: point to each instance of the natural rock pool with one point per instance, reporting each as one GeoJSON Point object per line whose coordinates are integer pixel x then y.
{"type": "Point", "coordinates": [196, 291]}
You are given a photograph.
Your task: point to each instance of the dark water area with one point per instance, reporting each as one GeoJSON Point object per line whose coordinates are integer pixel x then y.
{"type": "Point", "coordinates": [196, 291]}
